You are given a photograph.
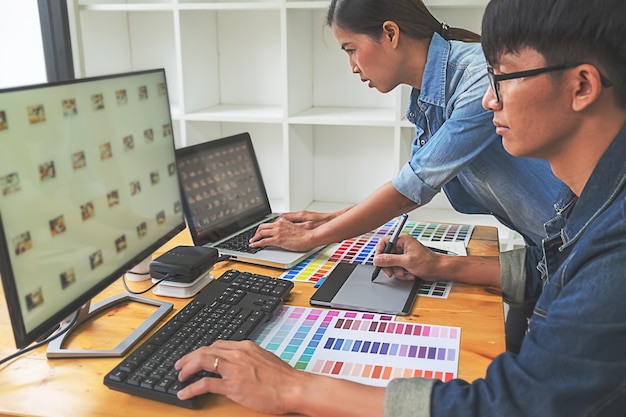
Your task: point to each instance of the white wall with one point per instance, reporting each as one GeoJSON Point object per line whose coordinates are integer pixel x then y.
{"type": "Point", "coordinates": [21, 49]}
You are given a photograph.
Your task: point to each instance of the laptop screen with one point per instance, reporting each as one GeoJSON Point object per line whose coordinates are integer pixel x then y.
{"type": "Point", "coordinates": [222, 187]}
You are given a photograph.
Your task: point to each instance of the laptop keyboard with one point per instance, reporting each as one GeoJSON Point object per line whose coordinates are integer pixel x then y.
{"type": "Point", "coordinates": [241, 242]}
{"type": "Point", "coordinates": [233, 307]}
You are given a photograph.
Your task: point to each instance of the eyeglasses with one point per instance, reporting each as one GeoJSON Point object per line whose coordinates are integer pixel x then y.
{"type": "Point", "coordinates": [494, 79]}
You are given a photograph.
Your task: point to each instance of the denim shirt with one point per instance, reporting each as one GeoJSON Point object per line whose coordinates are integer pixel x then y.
{"type": "Point", "coordinates": [456, 147]}
{"type": "Point", "coordinates": [573, 359]}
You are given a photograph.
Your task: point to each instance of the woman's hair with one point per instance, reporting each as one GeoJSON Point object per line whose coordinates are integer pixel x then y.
{"type": "Point", "coordinates": [563, 31]}
{"type": "Point", "coordinates": [413, 18]}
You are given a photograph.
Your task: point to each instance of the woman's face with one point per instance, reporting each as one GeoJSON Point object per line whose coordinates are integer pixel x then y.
{"type": "Point", "coordinates": [375, 62]}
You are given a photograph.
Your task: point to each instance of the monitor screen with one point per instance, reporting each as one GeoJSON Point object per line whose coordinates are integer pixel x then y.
{"type": "Point", "coordinates": [88, 189]}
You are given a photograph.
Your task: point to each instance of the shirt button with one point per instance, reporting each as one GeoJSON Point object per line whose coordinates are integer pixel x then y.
{"type": "Point", "coordinates": [422, 142]}
{"type": "Point", "coordinates": [412, 114]}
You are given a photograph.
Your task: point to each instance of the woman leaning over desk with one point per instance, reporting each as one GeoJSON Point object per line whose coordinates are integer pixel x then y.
{"type": "Point", "coordinates": [456, 148]}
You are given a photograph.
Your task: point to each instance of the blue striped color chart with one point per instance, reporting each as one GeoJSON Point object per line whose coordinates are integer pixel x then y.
{"type": "Point", "coordinates": [395, 349]}
{"type": "Point", "coordinates": [363, 347]}
{"type": "Point", "coordinates": [410, 350]}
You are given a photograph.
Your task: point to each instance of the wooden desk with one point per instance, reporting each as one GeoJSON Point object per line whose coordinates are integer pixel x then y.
{"type": "Point", "coordinates": [32, 385]}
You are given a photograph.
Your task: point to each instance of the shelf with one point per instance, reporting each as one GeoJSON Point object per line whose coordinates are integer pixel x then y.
{"type": "Point", "coordinates": [268, 67]}
{"type": "Point", "coordinates": [343, 116]}
{"type": "Point", "coordinates": [231, 58]}
{"type": "Point", "coordinates": [155, 5]}
{"type": "Point", "coordinates": [238, 113]}
{"type": "Point", "coordinates": [234, 5]}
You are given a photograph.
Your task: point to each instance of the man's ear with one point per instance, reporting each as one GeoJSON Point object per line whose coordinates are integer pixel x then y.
{"type": "Point", "coordinates": [587, 88]}
{"type": "Point", "coordinates": [391, 32]}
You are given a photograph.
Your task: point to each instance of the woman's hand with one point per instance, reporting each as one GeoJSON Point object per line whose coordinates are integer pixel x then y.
{"type": "Point", "coordinates": [283, 234]}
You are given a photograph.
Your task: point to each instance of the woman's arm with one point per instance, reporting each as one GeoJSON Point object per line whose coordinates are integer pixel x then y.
{"type": "Point", "coordinates": [382, 205]}
{"type": "Point", "coordinates": [312, 219]}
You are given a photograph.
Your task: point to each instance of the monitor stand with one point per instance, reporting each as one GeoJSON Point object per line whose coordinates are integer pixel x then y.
{"type": "Point", "coordinates": [55, 347]}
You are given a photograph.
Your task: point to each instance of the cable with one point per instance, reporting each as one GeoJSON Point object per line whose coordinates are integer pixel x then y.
{"type": "Point", "coordinates": [222, 258]}
{"type": "Point", "coordinates": [43, 342]}
{"type": "Point", "coordinates": [138, 273]}
{"type": "Point", "coordinates": [167, 276]}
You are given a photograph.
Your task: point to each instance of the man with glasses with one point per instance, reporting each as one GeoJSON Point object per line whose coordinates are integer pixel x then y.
{"type": "Point", "coordinates": [558, 92]}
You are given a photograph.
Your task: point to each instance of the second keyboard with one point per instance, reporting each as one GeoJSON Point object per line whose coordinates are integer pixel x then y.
{"type": "Point", "coordinates": [233, 307]}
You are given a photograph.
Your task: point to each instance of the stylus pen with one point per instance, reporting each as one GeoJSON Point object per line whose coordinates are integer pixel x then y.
{"type": "Point", "coordinates": [391, 242]}
{"type": "Point", "coordinates": [445, 252]}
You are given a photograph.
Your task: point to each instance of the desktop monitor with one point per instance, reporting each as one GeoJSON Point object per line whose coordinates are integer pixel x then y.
{"type": "Point", "coordinates": [88, 189]}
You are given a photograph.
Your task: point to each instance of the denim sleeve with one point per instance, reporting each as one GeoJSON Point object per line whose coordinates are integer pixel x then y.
{"type": "Point", "coordinates": [513, 276]}
{"type": "Point", "coordinates": [534, 283]}
{"type": "Point", "coordinates": [465, 132]}
{"type": "Point", "coordinates": [520, 279]}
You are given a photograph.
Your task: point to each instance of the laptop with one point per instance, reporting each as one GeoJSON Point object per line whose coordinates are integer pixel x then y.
{"type": "Point", "coordinates": [224, 200]}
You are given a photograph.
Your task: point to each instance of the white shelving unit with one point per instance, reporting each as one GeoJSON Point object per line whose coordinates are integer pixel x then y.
{"type": "Point", "coordinates": [270, 67]}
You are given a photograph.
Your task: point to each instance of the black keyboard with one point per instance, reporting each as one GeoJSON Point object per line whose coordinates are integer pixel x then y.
{"type": "Point", "coordinates": [233, 307]}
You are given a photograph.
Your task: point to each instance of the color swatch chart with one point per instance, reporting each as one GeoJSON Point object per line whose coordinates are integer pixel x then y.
{"type": "Point", "coordinates": [361, 249]}
{"type": "Point", "coordinates": [435, 232]}
{"type": "Point", "coordinates": [361, 347]}
{"type": "Point", "coordinates": [437, 289]}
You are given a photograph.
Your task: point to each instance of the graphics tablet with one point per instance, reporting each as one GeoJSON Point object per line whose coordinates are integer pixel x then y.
{"type": "Point", "coordinates": [349, 286]}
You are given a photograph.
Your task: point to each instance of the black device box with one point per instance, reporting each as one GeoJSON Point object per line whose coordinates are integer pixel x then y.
{"type": "Point", "coordinates": [183, 263]}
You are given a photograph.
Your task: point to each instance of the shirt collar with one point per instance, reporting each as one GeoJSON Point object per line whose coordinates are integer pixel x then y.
{"type": "Point", "coordinates": [606, 181]}
{"type": "Point", "coordinates": [433, 89]}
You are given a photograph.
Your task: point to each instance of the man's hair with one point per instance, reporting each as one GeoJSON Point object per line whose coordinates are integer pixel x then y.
{"type": "Point", "coordinates": [563, 31]}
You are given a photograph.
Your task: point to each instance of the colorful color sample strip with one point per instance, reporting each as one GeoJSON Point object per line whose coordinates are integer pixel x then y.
{"type": "Point", "coordinates": [295, 332]}
{"type": "Point", "coordinates": [362, 347]}
{"type": "Point", "coordinates": [361, 249]}
{"type": "Point", "coordinates": [313, 268]}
